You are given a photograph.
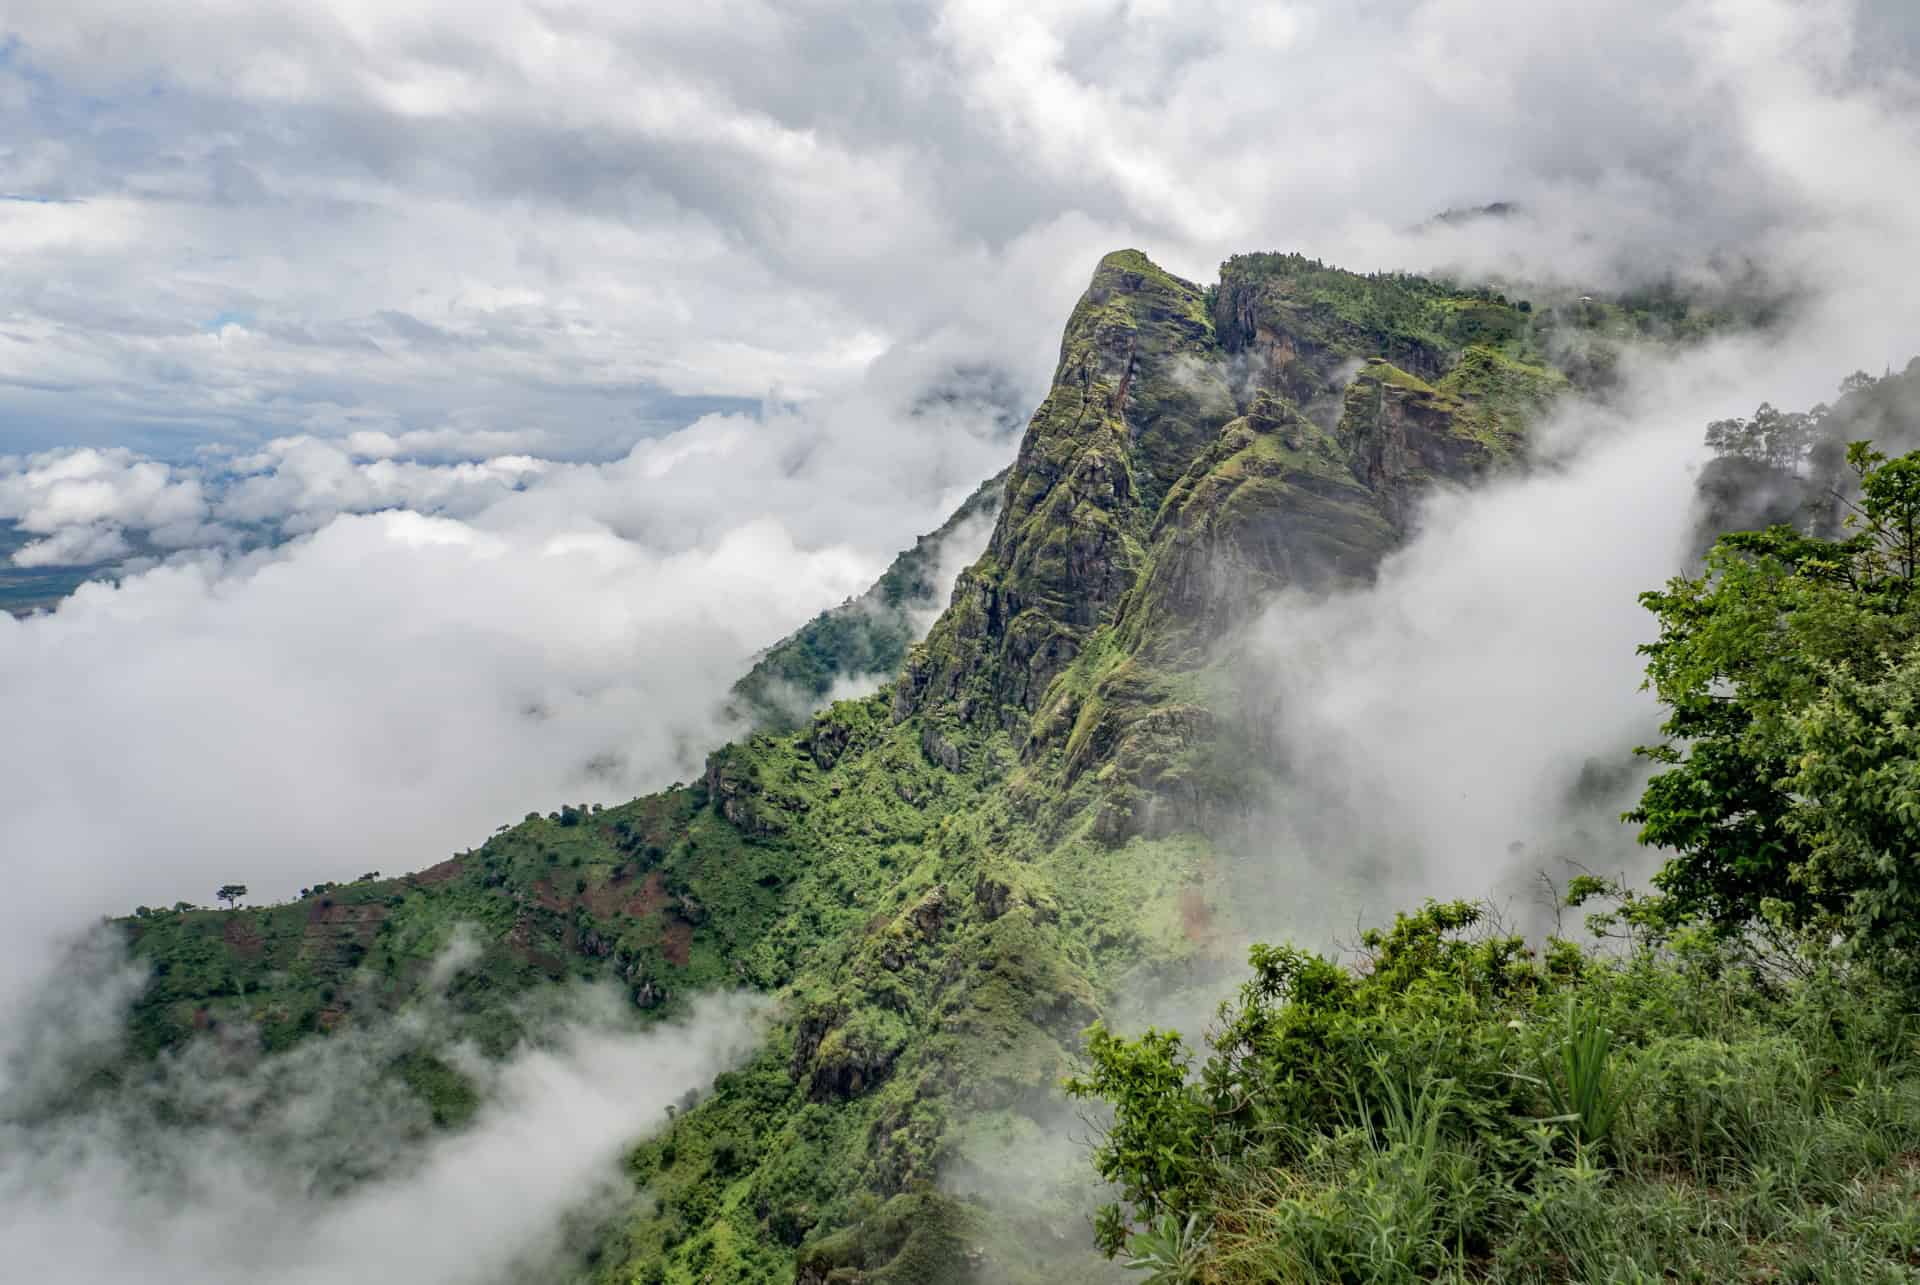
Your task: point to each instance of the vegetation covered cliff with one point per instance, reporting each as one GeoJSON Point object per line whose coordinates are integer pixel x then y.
{"type": "Point", "coordinates": [944, 883]}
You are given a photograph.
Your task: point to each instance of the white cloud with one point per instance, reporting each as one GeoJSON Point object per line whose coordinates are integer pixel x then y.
{"type": "Point", "coordinates": [1466, 723]}
{"type": "Point", "coordinates": [301, 482]}
{"type": "Point", "coordinates": [75, 546]}
{"type": "Point", "coordinates": [444, 443]}
{"type": "Point", "coordinates": [389, 220]}
{"type": "Point", "coordinates": [224, 1168]}
{"type": "Point", "coordinates": [392, 687]}
{"type": "Point", "coordinates": [86, 487]}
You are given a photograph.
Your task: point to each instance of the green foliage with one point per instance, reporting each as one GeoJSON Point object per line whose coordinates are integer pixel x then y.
{"type": "Point", "coordinates": [1580, 1082]}
{"type": "Point", "coordinates": [864, 636]}
{"type": "Point", "coordinates": [1779, 439]}
{"type": "Point", "coordinates": [1856, 786]}
{"type": "Point", "coordinates": [1785, 669]}
{"type": "Point", "coordinates": [1453, 1107]}
{"type": "Point", "coordinates": [1170, 1252]}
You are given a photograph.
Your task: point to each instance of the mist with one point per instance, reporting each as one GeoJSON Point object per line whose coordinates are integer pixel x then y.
{"type": "Point", "coordinates": [1464, 726]}
{"type": "Point", "coordinates": [319, 1165]}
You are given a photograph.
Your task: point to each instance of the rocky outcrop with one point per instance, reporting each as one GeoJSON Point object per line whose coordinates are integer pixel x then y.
{"type": "Point", "coordinates": [1400, 434]}
{"type": "Point", "coordinates": [1139, 389]}
{"type": "Point", "coordinates": [1354, 397]}
{"type": "Point", "coordinates": [735, 794]}
{"type": "Point", "coordinates": [1269, 504]}
{"type": "Point", "coordinates": [852, 1059]}
{"type": "Point", "coordinates": [1296, 325]}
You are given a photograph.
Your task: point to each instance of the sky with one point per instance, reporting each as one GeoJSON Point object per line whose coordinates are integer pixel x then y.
{"type": "Point", "coordinates": [463, 393]}
{"type": "Point", "coordinates": [229, 222]}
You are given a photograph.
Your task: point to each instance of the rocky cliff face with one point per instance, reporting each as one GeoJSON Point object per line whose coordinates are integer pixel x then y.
{"type": "Point", "coordinates": [1137, 391]}
{"type": "Point", "coordinates": [943, 883]}
{"type": "Point", "coordinates": [1277, 429]}
{"type": "Point", "coordinates": [1200, 451]}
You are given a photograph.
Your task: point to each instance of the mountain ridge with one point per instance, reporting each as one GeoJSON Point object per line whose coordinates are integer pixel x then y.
{"type": "Point", "coordinates": [946, 881]}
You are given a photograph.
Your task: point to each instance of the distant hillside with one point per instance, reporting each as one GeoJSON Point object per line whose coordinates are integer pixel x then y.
{"type": "Point", "coordinates": [864, 637]}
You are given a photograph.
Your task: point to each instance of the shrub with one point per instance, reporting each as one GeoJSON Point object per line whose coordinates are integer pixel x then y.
{"type": "Point", "coordinates": [1451, 1104]}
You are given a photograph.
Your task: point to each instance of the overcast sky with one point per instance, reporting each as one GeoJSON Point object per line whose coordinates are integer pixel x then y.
{"type": "Point", "coordinates": [238, 219]}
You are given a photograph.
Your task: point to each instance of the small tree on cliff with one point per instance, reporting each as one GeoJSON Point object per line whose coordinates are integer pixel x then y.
{"type": "Point", "coordinates": [231, 893]}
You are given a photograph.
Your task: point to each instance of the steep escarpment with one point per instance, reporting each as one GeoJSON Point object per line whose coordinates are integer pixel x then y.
{"type": "Point", "coordinates": [1350, 397]}
{"type": "Point", "coordinates": [1138, 390]}
{"type": "Point", "coordinates": [942, 884]}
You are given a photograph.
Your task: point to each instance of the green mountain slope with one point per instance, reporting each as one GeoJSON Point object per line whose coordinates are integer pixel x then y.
{"type": "Point", "coordinates": [944, 883]}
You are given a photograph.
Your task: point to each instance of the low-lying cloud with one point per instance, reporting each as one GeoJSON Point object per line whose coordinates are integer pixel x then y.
{"type": "Point", "coordinates": [372, 690]}
{"type": "Point", "coordinates": [318, 1165]}
{"type": "Point", "coordinates": [1465, 724]}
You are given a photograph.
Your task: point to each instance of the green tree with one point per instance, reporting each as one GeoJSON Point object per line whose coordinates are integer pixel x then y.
{"type": "Point", "coordinates": [1857, 782]}
{"type": "Point", "coordinates": [1755, 661]}
{"type": "Point", "coordinates": [231, 893]}
{"type": "Point", "coordinates": [1780, 438]}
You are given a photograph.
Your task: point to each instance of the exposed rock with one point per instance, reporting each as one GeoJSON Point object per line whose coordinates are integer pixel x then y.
{"type": "Point", "coordinates": [929, 915]}
{"type": "Point", "coordinates": [939, 749]}
{"type": "Point", "coordinates": [1138, 379]}
{"type": "Point", "coordinates": [993, 896]}
{"type": "Point", "coordinates": [1401, 433]}
{"type": "Point", "coordinates": [807, 1034]}
{"type": "Point", "coordinates": [735, 794]}
{"type": "Point", "coordinates": [851, 1060]}
{"type": "Point", "coordinates": [827, 741]}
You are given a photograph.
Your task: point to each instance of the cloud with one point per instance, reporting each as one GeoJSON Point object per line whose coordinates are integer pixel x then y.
{"type": "Point", "coordinates": [385, 221]}
{"type": "Point", "coordinates": [381, 688]}
{"type": "Point", "coordinates": [222, 1166]}
{"type": "Point", "coordinates": [82, 545]}
{"type": "Point", "coordinates": [100, 490]}
{"type": "Point", "coordinates": [443, 444]}
{"type": "Point", "coordinates": [391, 687]}
{"type": "Point", "coordinates": [299, 483]}
{"type": "Point", "coordinates": [1465, 724]}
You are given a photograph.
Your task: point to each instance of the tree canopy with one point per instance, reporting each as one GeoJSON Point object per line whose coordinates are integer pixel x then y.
{"type": "Point", "coordinates": [1788, 668]}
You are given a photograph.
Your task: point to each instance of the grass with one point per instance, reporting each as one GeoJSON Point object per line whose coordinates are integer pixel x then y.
{"type": "Point", "coordinates": [1457, 1109]}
